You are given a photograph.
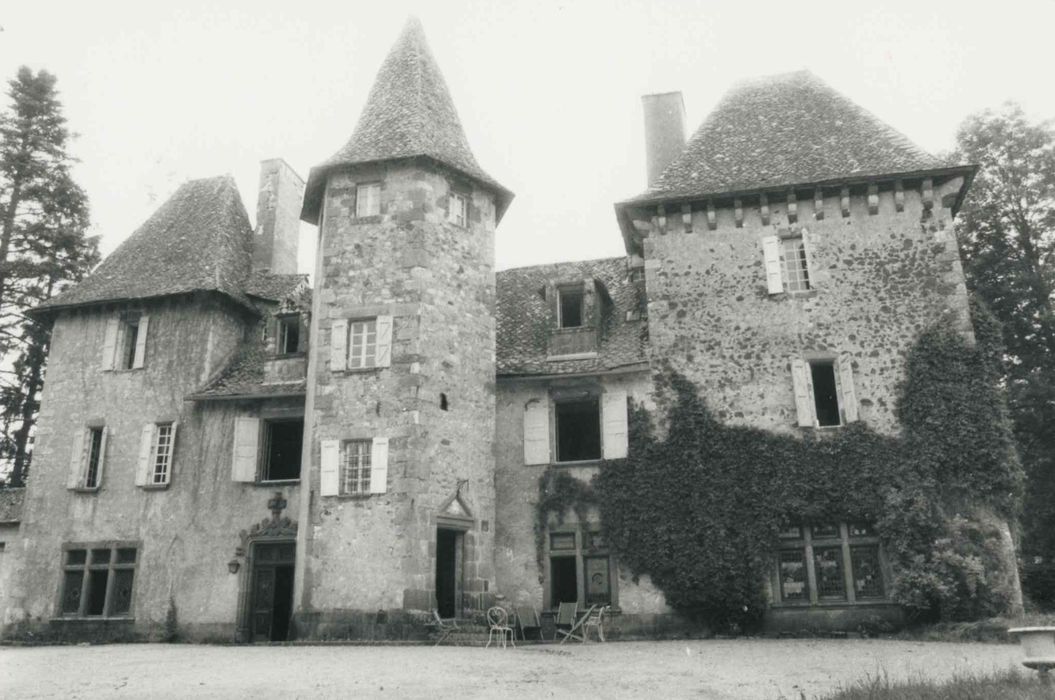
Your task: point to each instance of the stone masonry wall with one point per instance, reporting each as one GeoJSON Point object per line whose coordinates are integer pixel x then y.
{"type": "Point", "coordinates": [879, 279]}
{"type": "Point", "coordinates": [377, 552]}
{"type": "Point", "coordinates": [185, 533]}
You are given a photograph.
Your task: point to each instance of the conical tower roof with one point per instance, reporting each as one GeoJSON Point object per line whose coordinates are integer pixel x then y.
{"type": "Point", "coordinates": [408, 114]}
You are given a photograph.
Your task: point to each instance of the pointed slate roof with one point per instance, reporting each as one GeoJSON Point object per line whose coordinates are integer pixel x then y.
{"type": "Point", "coordinates": [198, 240]}
{"type": "Point", "coordinates": [409, 113]}
{"type": "Point", "coordinates": [780, 130]}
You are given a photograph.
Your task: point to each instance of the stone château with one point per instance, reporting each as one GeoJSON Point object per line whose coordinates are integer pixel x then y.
{"type": "Point", "coordinates": [227, 453]}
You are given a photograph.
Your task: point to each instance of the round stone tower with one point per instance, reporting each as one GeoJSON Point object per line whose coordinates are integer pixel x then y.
{"type": "Point", "coordinates": [400, 412]}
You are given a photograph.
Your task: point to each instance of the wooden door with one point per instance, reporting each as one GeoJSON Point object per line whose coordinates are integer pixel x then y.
{"type": "Point", "coordinates": [271, 592]}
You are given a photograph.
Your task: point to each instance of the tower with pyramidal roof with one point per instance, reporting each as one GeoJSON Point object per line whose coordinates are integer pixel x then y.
{"type": "Point", "coordinates": [401, 404]}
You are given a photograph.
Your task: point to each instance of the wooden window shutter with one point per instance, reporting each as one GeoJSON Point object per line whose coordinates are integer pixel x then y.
{"type": "Point", "coordinates": [244, 458]}
{"type": "Point", "coordinates": [75, 478]}
{"type": "Point", "coordinates": [141, 342]}
{"type": "Point", "coordinates": [807, 250]}
{"type": "Point", "coordinates": [102, 457]}
{"type": "Point", "coordinates": [613, 422]}
{"type": "Point", "coordinates": [800, 376]}
{"type": "Point", "coordinates": [146, 451]}
{"type": "Point", "coordinates": [771, 254]}
{"type": "Point", "coordinates": [329, 472]}
{"type": "Point", "coordinates": [379, 465]}
{"type": "Point", "coordinates": [339, 345]}
{"type": "Point", "coordinates": [384, 341]}
{"type": "Point", "coordinates": [110, 343]}
{"type": "Point", "coordinates": [536, 432]}
{"type": "Point", "coordinates": [847, 392]}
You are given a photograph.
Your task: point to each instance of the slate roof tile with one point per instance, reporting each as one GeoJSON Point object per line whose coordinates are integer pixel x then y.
{"type": "Point", "coordinates": [525, 321]}
{"type": "Point", "coordinates": [787, 129]}
{"type": "Point", "coordinates": [198, 240]}
{"type": "Point", "coordinates": [244, 377]}
{"type": "Point", "coordinates": [274, 287]}
{"type": "Point", "coordinates": [409, 113]}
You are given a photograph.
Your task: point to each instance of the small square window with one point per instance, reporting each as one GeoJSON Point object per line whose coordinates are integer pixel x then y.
{"type": "Point", "coordinates": [793, 263]}
{"type": "Point", "coordinates": [288, 335]}
{"type": "Point", "coordinates": [570, 307]}
{"type": "Point", "coordinates": [368, 199]}
{"type": "Point", "coordinates": [459, 209]}
{"type": "Point", "coordinates": [283, 450]}
{"type": "Point", "coordinates": [355, 467]}
{"type": "Point", "coordinates": [362, 345]}
{"type": "Point", "coordinates": [578, 430]}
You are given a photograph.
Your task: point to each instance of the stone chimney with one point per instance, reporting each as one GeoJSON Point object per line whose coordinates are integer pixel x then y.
{"type": "Point", "coordinates": [277, 218]}
{"type": "Point", "coordinates": [664, 131]}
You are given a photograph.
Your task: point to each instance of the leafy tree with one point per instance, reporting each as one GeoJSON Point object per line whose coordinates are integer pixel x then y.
{"type": "Point", "coordinates": [1006, 232]}
{"type": "Point", "coordinates": [43, 219]}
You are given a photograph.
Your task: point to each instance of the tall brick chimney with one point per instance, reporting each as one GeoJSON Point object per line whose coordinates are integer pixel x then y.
{"type": "Point", "coordinates": [664, 131]}
{"type": "Point", "coordinates": [277, 218]}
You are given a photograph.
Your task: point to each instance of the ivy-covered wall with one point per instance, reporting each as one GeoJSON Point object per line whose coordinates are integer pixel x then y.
{"type": "Point", "coordinates": [699, 510]}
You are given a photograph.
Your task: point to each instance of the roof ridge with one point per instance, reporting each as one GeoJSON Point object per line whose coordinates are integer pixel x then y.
{"type": "Point", "coordinates": [594, 261]}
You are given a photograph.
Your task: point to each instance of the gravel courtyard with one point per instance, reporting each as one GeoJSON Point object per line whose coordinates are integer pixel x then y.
{"type": "Point", "coordinates": [717, 669]}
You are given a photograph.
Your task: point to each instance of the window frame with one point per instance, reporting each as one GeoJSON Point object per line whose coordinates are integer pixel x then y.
{"type": "Point", "coordinates": [458, 209]}
{"type": "Point", "coordinates": [358, 362]}
{"type": "Point", "coordinates": [588, 398]}
{"type": "Point", "coordinates": [360, 189]}
{"type": "Point", "coordinates": [584, 548]}
{"type": "Point", "coordinates": [836, 380]}
{"type": "Point", "coordinates": [283, 322]}
{"type": "Point", "coordinates": [155, 455]}
{"type": "Point", "coordinates": [364, 450]}
{"type": "Point", "coordinates": [795, 272]}
{"type": "Point", "coordinates": [264, 457]}
{"type": "Point", "coordinates": [112, 566]}
{"type": "Point", "coordinates": [808, 543]}
{"type": "Point", "coordinates": [566, 291]}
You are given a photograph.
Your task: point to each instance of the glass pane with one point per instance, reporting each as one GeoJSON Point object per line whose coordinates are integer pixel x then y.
{"type": "Point", "coordinates": [793, 584]}
{"type": "Point", "coordinates": [868, 580]}
{"type": "Point", "coordinates": [96, 591]}
{"type": "Point", "coordinates": [101, 556]}
{"type": "Point", "coordinates": [597, 585]}
{"type": "Point", "coordinates": [825, 531]}
{"type": "Point", "coordinates": [95, 451]}
{"type": "Point", "coordinates": [76, 556]}
{"type": "Point", "coordinates": [71, 591]}
{"type": "Point", "coordinates": [862, 530]}
{"type": "Point", "coordinates": [828, 566]}
{"type": "Point", "coordinates": [791, 532]}
{"type": "Point", "coordinates": [121, 601]}
{"type": "Point", "coordinates": [562, 540]}
{"type": "Point", "coordinates": [126, 556]}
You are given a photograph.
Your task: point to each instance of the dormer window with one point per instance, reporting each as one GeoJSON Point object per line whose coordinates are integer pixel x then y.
{"type": "Point", "coordinates": [570, 307]}
{"type": "Point", "coordinates": [288, 335]}
{"type": "Point", "coordinates": [368, 199]}
{"type": "Point", "coordinates": [459, 209]}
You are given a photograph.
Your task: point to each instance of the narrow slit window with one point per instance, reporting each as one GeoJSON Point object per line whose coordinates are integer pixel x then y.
{"type": "Point", "coordinates": [570, 308]}
{"type": "Point", "coordinates": [94, 458]}
{"type": "Point", "coordinates": [129, 340]}
{"type": "Point", "coordinates": [825, 393]}
{"type": "Point", "coordinates": [443, 402]}
{"type": "Point", "coordinates": [793, 260]}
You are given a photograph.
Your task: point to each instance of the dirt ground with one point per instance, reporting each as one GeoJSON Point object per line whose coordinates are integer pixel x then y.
{"type": "Point", "coordinates": [718, 669]}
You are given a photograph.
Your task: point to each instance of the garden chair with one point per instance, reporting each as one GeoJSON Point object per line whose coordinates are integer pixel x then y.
{"type": "Point", "coordinates": [577, 627]}
{"type": "Point", "coordinates": [444, 628]}
{"type": "Point", "coordinates": [498, 623]}
{"type": "Point", "coordinates": [595, 621]}
{"type": "Point", "coordinates": [528, 619]}
{"type": "Point", "coordinates": [565, 617]}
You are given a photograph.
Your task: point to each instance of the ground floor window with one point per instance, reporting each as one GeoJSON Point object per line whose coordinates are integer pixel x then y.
{"type": "Point", "coordinates": [580, 568]}
{"type": "Point", "coordinates": [829, 563]}
{"type": "Point", "coordinates": [97, 580]}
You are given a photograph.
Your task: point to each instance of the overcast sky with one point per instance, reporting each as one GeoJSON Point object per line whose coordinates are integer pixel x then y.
{"type": "Point", "coordinates": [548, 92]}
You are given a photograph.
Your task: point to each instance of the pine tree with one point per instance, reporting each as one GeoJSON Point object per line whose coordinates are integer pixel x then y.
{"type": "Point", "coordinates": [43, 220]}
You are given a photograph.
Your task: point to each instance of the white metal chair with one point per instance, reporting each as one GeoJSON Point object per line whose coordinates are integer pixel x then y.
{"type": "Point", "coordinates": [498, 623]}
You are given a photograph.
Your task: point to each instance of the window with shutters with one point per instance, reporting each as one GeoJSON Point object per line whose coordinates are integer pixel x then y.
{"type": "Point", "coordinates": [578, 430]}
{"type": "Point", "coordinates": [458, 213]}
{"type": "Point", "coordinates": [125, 341]}
{"type": "Point", "coordinates": [287, 336]}
{"type": "Point", "coordinates": [362, 344]}
{"type": "Point", "coordinates": [87, 458]}
{"type": "Point", "coordinates": [355, 467]}
{"type": "Point", "coordinates": [97, 580]}
{"type": "Point", "coordinates": [825, 393]}
{"type": "Point", "coordinates": [368, 199]}
{"type": "Point", "coordinates": [787, 262]}
{"type": "Point", "coordinates": [580, 567]}
{"type": "Point", "coordinates": [829, 563]}
{"type": "Point", "coordinates": [825, 396]}
{"type": "Point", "coordinates": [161, 457]}
{"type": "Point", "coordinates": [283, 440]}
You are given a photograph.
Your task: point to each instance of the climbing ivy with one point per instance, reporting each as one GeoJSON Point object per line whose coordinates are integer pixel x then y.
{"type": "Point", "coordinates": [699, 510]}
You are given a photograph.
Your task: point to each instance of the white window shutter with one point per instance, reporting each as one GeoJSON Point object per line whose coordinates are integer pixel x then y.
{"type": "Point", "coordinates": [110, 343]}
{"type": "Point", "coordinates": [771, 255]}
{"type": "Point", "coordinates": [141, 342]}
{"type": "Point", "coordinates": [536, 432]}
{"type": "Point", "coordinates": [339, 345]}
{"type": "Point", "coordinates": [144, 468]}
{"type": "Point", "coordinates": [800, 371]}
{"type": "Point", "coordinates": [246, 437]}
{"type": "Point", "coordinates": [807, 250]}
{"type": "Point", "coordinates": [329, 473]}
{"type": "Point", "coordinates": [102, 457]}
{"type": "Point", "coordinates": [379, 465]}
{"type": "Point", "coordinates": [384, 341]}
{"type": "Point", "coordinates": [75, 478]}
{"type": "Point", "coordinates": [847, 393]}
{"type": "Point", "coordinates": [613, 422]}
